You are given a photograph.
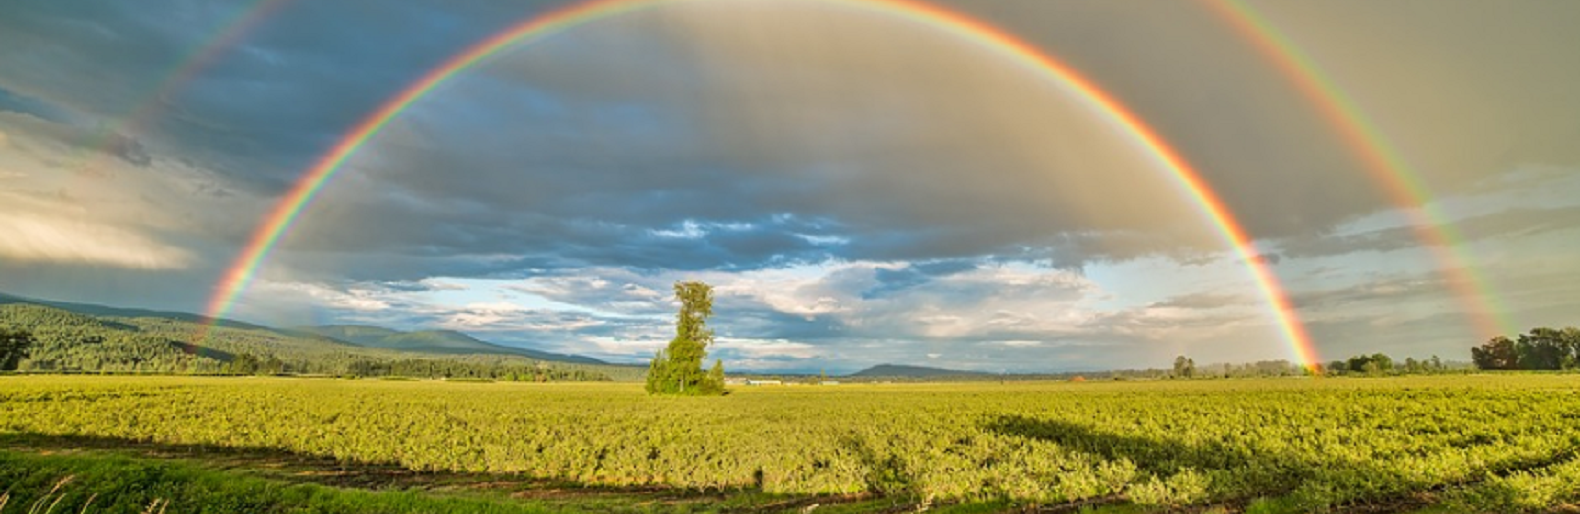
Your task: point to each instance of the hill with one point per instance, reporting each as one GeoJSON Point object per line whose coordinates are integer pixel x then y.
{"type": "Point", "coordinates": [366, 336]}
{"type": "Point", "coordinates": [122, 312]}
{"type": "Point", "coordinates": [92, 338]}
{"type": "Point", "coordinates": [432, 341]}
{"type": "Point", "coordinates": [912, 372]}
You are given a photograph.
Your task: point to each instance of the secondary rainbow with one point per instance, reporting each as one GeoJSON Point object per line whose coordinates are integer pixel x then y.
{"type": "Point", "coordinates": [143, 112]}
{"type": "Point", "coordinates": [284, 213]}
{"type": "Point", "coordinates": [1382, 160]}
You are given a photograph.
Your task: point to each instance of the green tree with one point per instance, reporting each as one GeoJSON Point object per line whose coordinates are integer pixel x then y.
{"type": "Point", "coordinates": [1497, 353]}
{"type": "Point", "coordinates": [1384, 362]}
{"type": "Point", "coordinates": [1541, 348]}
{"type": "Point", "coordinates": [714, 384]}
{"type": "Point", "coordinates": [244, 364]}
{"type": "Point", "coordinates": [14, 346]}
{"type": "Point", "coordinates": [1570, 338]}
{"type": "Point", "coordinates": [1184, 367]}
{"type": "Point", "coordinates": [677, 369]}
{"type": "Point", "coordinates": [1359, 363]}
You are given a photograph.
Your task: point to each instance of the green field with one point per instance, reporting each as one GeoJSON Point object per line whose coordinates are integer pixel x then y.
{"type": "Point", "coordinates": [1479, 443]}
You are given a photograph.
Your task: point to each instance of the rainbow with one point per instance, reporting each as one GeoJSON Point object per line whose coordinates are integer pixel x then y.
{"type": "Point", "coordinates": [1382, 160]}
{"type": "Point", "coordinates": [286, 211]}
{"type": "Point", "coordinates": [217, 43]}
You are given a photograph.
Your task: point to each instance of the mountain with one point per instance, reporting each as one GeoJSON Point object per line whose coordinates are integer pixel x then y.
{"type": "Point", "coordinates": [121, 312]}
{"type": "Point", "coordinates": [75, 342]}
{"type": "Point", "coordinates": [333, 338]}
{"type": "Point", "coordinates": [360, 335]}
{"type": "Point", "coordinates": [902, 371]}
{"type": "Point", "coordinates": [431, 341]}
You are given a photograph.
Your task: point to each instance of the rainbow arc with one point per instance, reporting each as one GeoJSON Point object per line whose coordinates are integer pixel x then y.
{"type": "Point", "coordinates": [1383, 161]}
{"type": "Point", "coordinates": [287, 211]}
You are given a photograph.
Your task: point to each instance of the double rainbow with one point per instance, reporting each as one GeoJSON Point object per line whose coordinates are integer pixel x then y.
{"type": "Point", "coordinates": [1383, 161]}
{"type": "Point", "coordinates": [285, 213]}
{"type": "Point", "coordinates": [146, 111]}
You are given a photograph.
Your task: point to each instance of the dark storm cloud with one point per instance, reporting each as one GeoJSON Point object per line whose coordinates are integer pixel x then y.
{"type": "Point", "coordinates": [647, 120]}
{"type": "Point", "coordinates": [13, 102]}
{"type": "Point", "coordinates": [719, 139]}
{"type": "Point", "coordinates": [260, 111]}
{"type": "Point", "coordinates": [582, 176]}
{"type": "Point", "coordinates": [1512, 223]}
{"type": "Point", "coordinates": [755, 320]}
{"type": "Point", "coordinates": [892, 281]}
{"type": "Point", "coordinates": [147, 289]}
{"type": "Point", "coordinates": [1453, 112]}
{"type": "Point", "coordinates": [1397, 289]}
{"type": "Point", "coordinates": [638, 85]}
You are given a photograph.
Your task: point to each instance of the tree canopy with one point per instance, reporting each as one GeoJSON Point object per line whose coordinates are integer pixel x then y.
{"type": "Point", "coordinates": [677, 369]}
{"type": "Point", "coordinates": [1542, 348]}
{"type": "Point", "coordinates": [70, 342]}
{"type": "Point", "coordinates": [14, 346]}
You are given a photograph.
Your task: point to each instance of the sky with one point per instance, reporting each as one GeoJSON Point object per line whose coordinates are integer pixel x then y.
{"type": "Point", "coordinates": [859, 187]}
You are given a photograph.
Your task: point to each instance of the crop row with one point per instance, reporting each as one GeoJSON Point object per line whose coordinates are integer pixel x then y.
{"type": "Point", "coordinates": [1310, 442]}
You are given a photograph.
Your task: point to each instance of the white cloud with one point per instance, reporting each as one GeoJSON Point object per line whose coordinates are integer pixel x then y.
{"type": "Point", "coordinates": [353, 299]}
{"type": "Point", "coordinates": [642, 348]}
{"type": "Point", "coordinates": [58, 237]}
{"type": "Point", "coordinates": [68, 200]}
{"type": "Point", "coordinates": [760, 348]}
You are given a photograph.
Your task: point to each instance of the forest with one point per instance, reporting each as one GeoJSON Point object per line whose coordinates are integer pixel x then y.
{"type": "Point", "coordinates": [69, 342]}
{"type": "Point", "coordinates": [1541, 348]}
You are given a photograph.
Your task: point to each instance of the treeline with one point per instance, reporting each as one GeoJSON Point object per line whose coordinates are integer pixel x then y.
{"type": "Point", "coordinates": [1185, 367]}
{"type": "Point", "coordinates": [444, 368]}
{"type": "Point", "coordinates": [68, 342]}
{"type": "Point", "coordinates": [1375, 364]}
{"type": "Point", "coordinates": [1542, 348]}
{"type": "Point", "coordinates": [1382, 364]}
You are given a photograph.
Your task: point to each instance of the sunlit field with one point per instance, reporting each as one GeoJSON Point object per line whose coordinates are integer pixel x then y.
{"type": "Point", "coordinates": [1476, 442]}
{"type": "Point", "coordinates": [789, 256]}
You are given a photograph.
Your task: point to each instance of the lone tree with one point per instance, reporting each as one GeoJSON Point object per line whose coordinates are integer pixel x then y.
{"type": "Point", "coordinates": [14, 346]}
{"type": "Point", "coordinates": [677, 369]}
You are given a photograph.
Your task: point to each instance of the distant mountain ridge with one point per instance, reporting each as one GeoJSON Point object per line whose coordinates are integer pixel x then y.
{"type": "Point", "coordinates": [903, 371]}
{"type": "Point", "coordinates": [91, 309]}
{"type": "Point", "coordinates": [430, 341]}
{"type": "Point", "coordinates": [446, 342]}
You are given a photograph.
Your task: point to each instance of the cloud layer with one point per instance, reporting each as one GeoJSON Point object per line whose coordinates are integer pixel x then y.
{"type": "Point", "coordinates": [862, 188]}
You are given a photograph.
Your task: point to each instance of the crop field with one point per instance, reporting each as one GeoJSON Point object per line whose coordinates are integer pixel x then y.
{"type": "Point", "coordinates": [1477, 443]}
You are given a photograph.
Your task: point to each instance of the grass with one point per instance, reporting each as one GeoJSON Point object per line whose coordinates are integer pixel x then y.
{"type": "Point", "coordinates": [1488, 443]}
{"type": "Point", "coordinates": [110, 483]}
{"type": "Point", "coordinates": [76, 474]}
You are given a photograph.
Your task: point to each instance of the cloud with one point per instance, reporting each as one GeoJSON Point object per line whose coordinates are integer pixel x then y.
{"type": "Point", "coordinates": [757, 165]}
{"type": "Point", "coordinates": [881, 191]}
{"type": "Point", "coordinates": [1517, 222]}
{"type": "Point", "coordinates": [1203, 300]}
{"type": "Point", "coordinates": [742, 349]}
{"type": "Point", "coordinates": [1386, 290]}
{"type": "Point", "coordinates": [602, 139]}
{"type": "Point", "coordinates": [31, 237]}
